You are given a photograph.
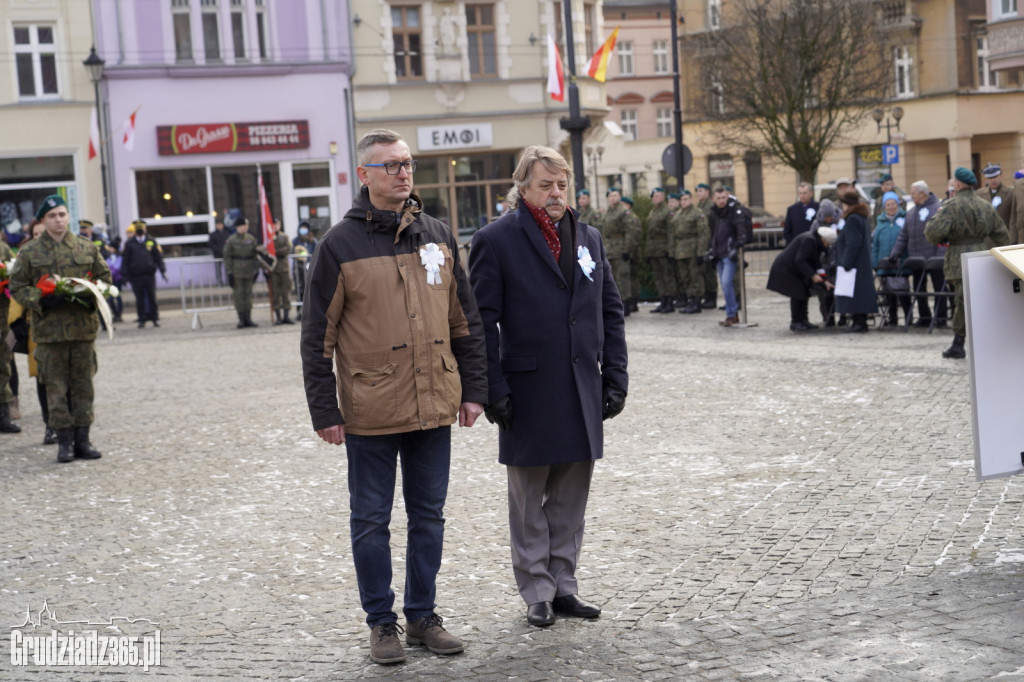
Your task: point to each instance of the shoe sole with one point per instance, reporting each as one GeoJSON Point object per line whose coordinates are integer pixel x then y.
{"type": "Point", "coordinates": [412, 641]}
{"type": "Point", "coordinates": [387, 661]}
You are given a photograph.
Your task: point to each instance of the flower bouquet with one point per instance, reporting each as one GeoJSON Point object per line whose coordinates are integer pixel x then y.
{"type": "Point", "coordinates": [5, 276]}
{"type": "Point", "coordinates": [84, 292]}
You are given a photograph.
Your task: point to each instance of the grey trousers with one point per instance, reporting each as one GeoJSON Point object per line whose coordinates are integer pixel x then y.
{"type": "Point", "coordinates": [546, 508]}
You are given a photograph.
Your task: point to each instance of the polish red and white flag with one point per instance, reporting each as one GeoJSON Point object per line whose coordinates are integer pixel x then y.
{"type": "Point", "coordinates": [94, 135]}
{"type": "Point", "coordinates": [556, 77]}
{"type": "Point", "coordinates": [129, 131]}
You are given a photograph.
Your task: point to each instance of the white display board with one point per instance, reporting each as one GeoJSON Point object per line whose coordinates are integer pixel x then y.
{"type": "Point", "coordinates": [995, 336]}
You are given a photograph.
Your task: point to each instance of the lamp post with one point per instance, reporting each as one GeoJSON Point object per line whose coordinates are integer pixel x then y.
{"type": "Point", "coordinates": [896, 113]}
{"type": "Point", "coordinates": [594, 156]}
{"type": "Point", "coordinates": [95, 65]}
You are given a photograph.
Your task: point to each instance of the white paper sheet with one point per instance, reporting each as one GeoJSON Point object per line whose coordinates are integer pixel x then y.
{"type": "Point", "coordinates": [845, 281]}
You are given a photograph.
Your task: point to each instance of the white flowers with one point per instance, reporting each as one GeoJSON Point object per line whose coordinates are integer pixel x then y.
{"type": "Point", "coordinates": [587, 263]}
{"type": "Point", "coordinates": [432, 258]}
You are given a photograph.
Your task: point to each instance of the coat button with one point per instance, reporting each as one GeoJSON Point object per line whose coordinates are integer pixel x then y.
{"type": "Point", "coordinates": [575, 358]}
{"type": "Point", "coordinates": [572, 320]}
{"type": "Point", "coordinates": [561, 285]}
{"type": "Point", "coordinates": [413, 316]}
{"type": "Point", "coordinates": [417, 370]}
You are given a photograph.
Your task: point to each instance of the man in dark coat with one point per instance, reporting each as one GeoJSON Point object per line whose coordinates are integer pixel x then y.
{"type": "Point", "coordinates": [853, 252]}
{"type": "Point", "coordinates": [797, 270]}
{"type": "Point", "coordinates": [912, 243]}
{"type": "Point", "coordinates": [800, 215]}
{"type": "Point", "coordinates": [141, 259]}
{"type": "Point", "coordinates": [556, 366]}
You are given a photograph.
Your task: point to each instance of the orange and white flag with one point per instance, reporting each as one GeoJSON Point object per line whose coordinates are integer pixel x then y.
{"type": "Point", "coordinates": [597, 67]}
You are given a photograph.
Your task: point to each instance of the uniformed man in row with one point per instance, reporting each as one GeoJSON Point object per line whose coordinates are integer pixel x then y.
{"type": "Point", "coordinates": [707, 269]}
{"type": "Point", "coordinates": [1017, 211]}
{"type": "Point", "coordinates": [6, 396]}
{"type": "Point", "coordinates": [690, 238]}
{"type": "Point", "coordinates": [141, 257]}
{"type": "Point", "coordinates": [965, 221]}
{"type": "Point", "coordinates": [996, 193]}
{"type": "Point", "coordinates": [619, 228]}
{"type": "Point", "coordinates": [663, 267]}
{"type": "Point", "coordinates": [281, 276]}
{"type": "Point", "coordinates": [64, 330]}
{"type": "Point", "coordinates": [587, 213]}
{"type": "Point", "coordinates": [241, 267]}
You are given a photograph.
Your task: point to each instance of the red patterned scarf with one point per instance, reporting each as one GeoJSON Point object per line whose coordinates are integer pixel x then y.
{"type": "Point", "coordinates": [547, 228]}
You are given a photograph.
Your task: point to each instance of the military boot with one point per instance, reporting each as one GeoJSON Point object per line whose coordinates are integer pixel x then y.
{"type": "Point", "coordinates": [634, 304]}
{"type": "Point", "coordinates": [49, 437]}
{"type": "Point", "coordinates": [285, 319]}
{"type": "Point", "coordinates": [248, 319]}
{"type": "Point", "coordinates": [669, 306]}
{"type": "Point", "coordinates": [692, 306]}
{"type": "Point", "coordinates": [956, 350]}
{"type": "Point", "coordinates": [83, 448]}
{"type": "Point", "coordinates": [241, 321]}
{"type": "Point", "coordinates": [6, 425]}
{"type": "Point", "coordinates": [709, 302]}
{"type": "Point", "coordinates": [277, 317]}
{"type": "Point", "coordinates": [660, 308]}
{"type": "Point", "coordinates": [65, 445]}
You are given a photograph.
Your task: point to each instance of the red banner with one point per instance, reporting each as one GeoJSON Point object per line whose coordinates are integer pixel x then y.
{"type": "Point", "coordinates": [218, 138]}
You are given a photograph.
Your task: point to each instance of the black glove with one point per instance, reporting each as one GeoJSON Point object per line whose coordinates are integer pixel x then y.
{"type": "Point", "coordinates": [231, 281]}
{"type": "Point", "coordinates": [700, 260]}
{"type": "Point", "coordinates": [625, 258]}
{"type": "Point", "coordinates": [734, 255]}
{"type": "Point", "coordinates": [709, 256]}
{"type": "Point", "coordinates": [52, 301]}
{"type": "Point", "coordinates": [613, 402]}
{"type": "Point", "coordinates": [500, 412]}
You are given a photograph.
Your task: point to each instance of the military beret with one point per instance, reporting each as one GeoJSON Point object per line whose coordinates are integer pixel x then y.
{"type": "Point", "coordinates": [656, 190]}
{"type": "Point", "coordinates": [686, 192]}
{"type": "Point", "coordinates": [627, 200]}
{"type": "Point", "coordinates": [992, 170]}
{"type": "Point", "coordinates": [85, 223]}
{"type": "Point", "coordinates": [885, 178]}
{"type": "Point", "coordinates": [613, 189]}
{"type": "Point", "coordinates": [678, 195]}
{"type": "Point", "coordinates": [49, 203]}
{"type": "Point", "coordinates": [703, 185]}
{"type": "Point", "coordinates": [582, 192]}
{"type": "Point", "coordinates": [966, 176]}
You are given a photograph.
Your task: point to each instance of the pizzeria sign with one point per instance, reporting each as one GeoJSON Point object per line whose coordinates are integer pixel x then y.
{"type": "Point", "coordinates": [219, 138]}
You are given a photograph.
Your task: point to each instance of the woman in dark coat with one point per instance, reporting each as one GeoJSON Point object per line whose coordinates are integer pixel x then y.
{"type": "Point", "coordinates": [853, 249]}
{"type": "Point", "coordinates": [797, 269]}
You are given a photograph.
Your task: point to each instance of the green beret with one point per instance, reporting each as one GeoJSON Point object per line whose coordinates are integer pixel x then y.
{"type": "Point", "coordinates": [49, 203]}
{"type": "Point", "coordinates": [703, 185]}
{"type": "Point", "coordinates": [885, 178]}
{"type": "Point", "coordinates": [656, 190]}
{"type": "Point", "coordinates": [966, 176]}
{"type": "Point", "coordinates": [676, 195]}
{"type": "Point", "coordinates": [613, 189]}
{"type": "Point", "coordinates": [686, 192]}
{"type": "Point", "coordinates": [582, 192]}
{"type": "Point", "coordinates": [627, 200]}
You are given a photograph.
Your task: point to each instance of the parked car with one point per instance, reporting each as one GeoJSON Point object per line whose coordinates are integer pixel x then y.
{"type": "Point", "coordinates": [767, 229]}
{"type": "Point", "coordinates": [870, 192]}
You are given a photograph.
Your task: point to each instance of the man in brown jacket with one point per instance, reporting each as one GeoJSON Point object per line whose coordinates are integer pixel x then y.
{"type": "Point", "coordinates": [388, 302]}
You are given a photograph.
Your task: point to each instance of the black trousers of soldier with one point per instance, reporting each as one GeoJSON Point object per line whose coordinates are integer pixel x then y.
{"type": "Point", "coordinates": [144, 289]}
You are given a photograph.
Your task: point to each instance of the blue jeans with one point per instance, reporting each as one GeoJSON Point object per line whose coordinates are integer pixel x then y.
{"type": "Point", "coordinates": [425, 457]}
{"type": "Point", "coordinates": [726, 271]}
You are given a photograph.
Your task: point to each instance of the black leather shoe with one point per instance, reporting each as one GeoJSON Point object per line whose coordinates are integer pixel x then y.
{"type": "Point", "coordinates": [572, 605]}
{"type": "Point", "coordinates": [540, 614]}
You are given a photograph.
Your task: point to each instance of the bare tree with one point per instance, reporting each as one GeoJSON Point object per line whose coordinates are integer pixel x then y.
{"type": "Point", "coordinates": [787, 78]}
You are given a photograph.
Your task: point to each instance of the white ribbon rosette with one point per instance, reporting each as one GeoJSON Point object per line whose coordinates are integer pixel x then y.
{"type": "Point", "coordinates": [587, 263]}
{"type": "Point", "coordinates": [432, 258]}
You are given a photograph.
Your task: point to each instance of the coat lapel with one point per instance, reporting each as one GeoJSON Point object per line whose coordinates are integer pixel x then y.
{"type": "Point", "coordinates": [536, 239]}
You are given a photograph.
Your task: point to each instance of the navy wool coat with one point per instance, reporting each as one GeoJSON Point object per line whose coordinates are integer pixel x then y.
{"type": "Point", "coordinates": [853, 249]}
{"type": "Point", "coordinates": [551, 345]}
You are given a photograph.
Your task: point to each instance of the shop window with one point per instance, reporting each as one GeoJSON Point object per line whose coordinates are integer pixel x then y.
{"type": "Point", "coordinates": [407, 34]}
{"type": "Point", "coordinates": [311, 175]}
{"type": "Point", "coordinates": [36, 61]}
{"type": "Point", "coordinates": [25, 182]}
{"type": "Point", "coordinates": [238, 29]}
{"type": "Point", "coordinates": [211, 31]}
{"type": "Point", "coordinates": [480, 37]}
{"type": "Point", "coordinates": [173, 192]}
{"type": "Point", "coordinates": [182, 30]}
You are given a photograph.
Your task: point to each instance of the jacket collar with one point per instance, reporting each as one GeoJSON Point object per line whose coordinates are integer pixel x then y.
{"type": "Point", "coordinates": [536, 239]}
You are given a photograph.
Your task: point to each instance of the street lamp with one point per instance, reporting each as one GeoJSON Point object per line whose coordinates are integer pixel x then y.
{"type": "Point", "coordinates": [95, 65]}
{"type": "Point", "coordinates": [879, 114]}
{"type": "Point", "coordinates": [594, 156]}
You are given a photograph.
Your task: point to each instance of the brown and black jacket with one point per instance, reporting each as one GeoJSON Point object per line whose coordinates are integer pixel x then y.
{"type": "Point", "coordinates": [407, 352]}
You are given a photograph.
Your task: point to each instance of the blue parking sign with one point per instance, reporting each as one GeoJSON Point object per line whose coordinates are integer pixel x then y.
{"type": "Point", "coordinates": [890, 154]}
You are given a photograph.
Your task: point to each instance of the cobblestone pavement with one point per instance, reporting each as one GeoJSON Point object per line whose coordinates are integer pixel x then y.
{"type": "Point", "coordinates": [770, 506]}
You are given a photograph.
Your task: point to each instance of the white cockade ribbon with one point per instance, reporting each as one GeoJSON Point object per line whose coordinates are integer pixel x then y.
{"type": "Point", "coordinates": [432, 258]}
{"type": "Point", "coordinates": [587, 263]}
{"type": "Point", "coordinates": [922, 213]}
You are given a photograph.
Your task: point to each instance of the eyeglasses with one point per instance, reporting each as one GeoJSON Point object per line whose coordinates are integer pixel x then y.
{"type": "Point", "coordinates": [391, 168]}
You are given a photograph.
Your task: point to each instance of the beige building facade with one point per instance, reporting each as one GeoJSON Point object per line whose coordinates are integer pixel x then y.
{"type": "Point", "coordinates": [465, 84]}
{"type": "Point", "coordinates": [956, 76]}
{"type": "Point", "coordinates": [46, 99]}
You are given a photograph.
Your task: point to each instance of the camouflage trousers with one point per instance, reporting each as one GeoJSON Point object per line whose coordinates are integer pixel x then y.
{"type": "Point", "coordinates": [621, 275]}
{"type": "Point", "coordinates": [634, 274]}
{"type": "Point", "coordinates": [241, 293]}
{"type": "Point", "coordinates": [959, 319]}
{"type": "Point", "coordinates": [690, 277]}
{"type": "Point", "coordinates": [710, 278]}
{"type": "Point", "coordinates": [281, 286]}
{"type": "Point", "coordinates": [5, 364]}
{"type": "Point", "coordinates": [664, 270]}
{"type": "Point", "coordinates": [66, 369]}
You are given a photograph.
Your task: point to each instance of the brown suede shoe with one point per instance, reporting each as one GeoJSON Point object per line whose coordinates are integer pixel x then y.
{"type": "Point", "coordinates": [430, 633]}
{"type": "Point", "coordinates": [385, 646]}
{"type": "Point", "coordinates": [729, 321]}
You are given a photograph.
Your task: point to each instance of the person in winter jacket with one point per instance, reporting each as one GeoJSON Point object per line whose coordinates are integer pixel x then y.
{"type": "Point", "coordinates": [911, 242]}
{"type": "Point", "coordinates": [797, 271]}
{"type": "Point", "coordinates": [894, 279]}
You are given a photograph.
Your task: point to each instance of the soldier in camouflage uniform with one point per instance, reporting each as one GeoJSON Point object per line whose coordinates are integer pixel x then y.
{"type": "Point", "coordinates": [615, 229]}
{"type": "Point", "coordinates": [6, 425]}
{"type": "Point", "coordinates": [241, 265]}
{"type": "Point", "coordinates": [64, 330]}
{"type": "Point", "coordinates": [281, 276]}
{"type": "Point", "coordinates": [587, 213]}
{"type": "Point", "coordinates": [691, 238]}
{"type": "Point", "coordinates": [965, 221]}
{"type": "Point", "coordinates": [707, 269]}
{"type": "Point", "coordinates": [636, 254]}
{"type": "Point", "coordinates": [663, 265]}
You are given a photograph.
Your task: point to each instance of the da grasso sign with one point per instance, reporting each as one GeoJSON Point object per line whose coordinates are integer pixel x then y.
{"type": "Point", "coordinates": [215, 138]}
{"type": "Point", "coordinates": [466, 136]}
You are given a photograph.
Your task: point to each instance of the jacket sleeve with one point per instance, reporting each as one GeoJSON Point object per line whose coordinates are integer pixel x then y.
{"type": "Point", "coordinates": [469, 349]}
{"type": "Point", "coordinates": [899, 249]}
{"type": "Point", "coordinates": [614, 359]}
{"type": "Point", "coordinates": [158, 258]}
{"type": "Point", "coordinates": [321, 315]}
{"type": "Point", "coordinates": [787, 225]}
{"type": "Point", "coordinates": [857, 234]}
{"type": "Point", "coordinates": [488, 285]}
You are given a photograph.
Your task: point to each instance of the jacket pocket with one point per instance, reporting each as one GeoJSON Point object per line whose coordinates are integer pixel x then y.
{"type": "Point", "coordinates": [374, 396]}
{"type": "Point", "coordinates": [452, 382]}
{"type": "Point", "coordinates": [519, 363]}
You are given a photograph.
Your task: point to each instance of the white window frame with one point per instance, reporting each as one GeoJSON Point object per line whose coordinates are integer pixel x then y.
{"type": "Point", "coordinates": [37, 50]}
{"type": "Point", "coordinates": [209, 8]}
{"type": "Point", "coordinates": [717, 98]}
{"type": "Point", "coordinates": [665, 123]}
{"type": "Point", "coordinates": [237, 11]}
{"type": "Point", "coordinates": [624, 52]}
{"type": "Point", "coordinates": [182, 8]}
{"type": "Point", "coordinates": [628, 123]}
{"type": "Point", "coordinates": [1004, 9]}
{"type": "Point", "coordinates": [714, 14]}
{"type": "Point", "coordinates": [661, 57]}
{"type": "Point", "coordinates": [987, 79]}
{"type": "Point", "coordinates": [903, 71]}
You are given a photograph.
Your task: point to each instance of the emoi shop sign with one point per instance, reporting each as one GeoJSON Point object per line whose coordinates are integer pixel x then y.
{"type": "Point", "coordinates": [216, 138]}
{"type": "Point", "coordinates": [435, 138]}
